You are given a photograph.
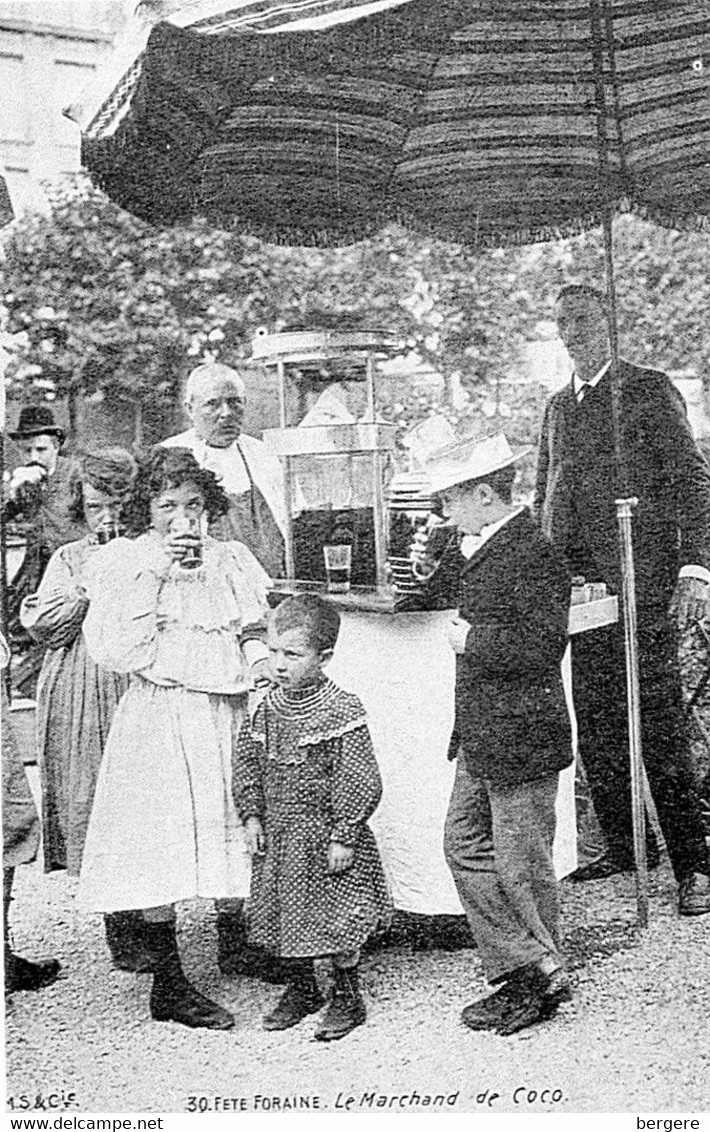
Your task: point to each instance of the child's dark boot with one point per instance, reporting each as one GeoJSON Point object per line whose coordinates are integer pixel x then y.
{"type": "Point", "coordinates": [346, 1008]}
{"type": "Point", "coordinates": [301, 997]}
{"type": "Point", "coordinates": [173, 997]}
{"type": "Point", "coordinates": [125, 936]}
{"type": "Point", "coordinates": [236, 956]}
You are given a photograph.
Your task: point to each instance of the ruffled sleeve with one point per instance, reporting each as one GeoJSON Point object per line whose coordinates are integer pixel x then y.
{"type": "Point", "coordinates": [123, 584]}
{"type": "Point", "coordinates": [250, 583]}
{"type": "Point", "coordinates": [357, 786]}
{"type": "Point", "coordinates": [54, 615]}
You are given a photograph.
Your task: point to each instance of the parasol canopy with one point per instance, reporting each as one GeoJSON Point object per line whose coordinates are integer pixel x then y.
{"type": "Point", "coordinates": [474, 120]}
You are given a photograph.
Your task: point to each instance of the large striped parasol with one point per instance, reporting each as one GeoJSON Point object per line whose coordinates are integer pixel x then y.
{"type": "Point", "coordinates": [475, 120]}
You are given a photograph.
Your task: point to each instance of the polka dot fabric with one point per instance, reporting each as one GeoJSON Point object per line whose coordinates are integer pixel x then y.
{"type": "Point", "coordinates": [306, 767]}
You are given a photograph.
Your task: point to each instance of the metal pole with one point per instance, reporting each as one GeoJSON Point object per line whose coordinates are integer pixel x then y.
{"type": "Point", "coordinates": [370, 377]}
{"type": "Point", "coordinates": [290, 557]}
{"type": "Point", "coordinates": [624, 514]}
{"type": "Point", "coordinates": [7, 675]}
{"type": "Point", "coordinates": [624, 503]}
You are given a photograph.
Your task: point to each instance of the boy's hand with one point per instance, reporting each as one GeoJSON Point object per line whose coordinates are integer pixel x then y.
{"type": "Point", "coordinates": [340, 857]}
{"type": "Point", "coordinates": [25, 476]}
{"type": "Point", "coordinates": [254, 833]}
{"type": "Point", "coordinates": [456, 633]}
{"type": "Point", "coordinates": [261, 674]}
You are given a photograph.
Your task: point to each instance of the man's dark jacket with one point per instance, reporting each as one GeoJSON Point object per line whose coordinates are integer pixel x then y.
{"type": "Point", "coordinates": [512, 724]}
{"type": "Point", "coordinates": [577, 486]}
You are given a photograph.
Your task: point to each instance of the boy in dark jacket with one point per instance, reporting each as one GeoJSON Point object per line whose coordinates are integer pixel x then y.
{"type": "Point", "coordinates": [512, 734]}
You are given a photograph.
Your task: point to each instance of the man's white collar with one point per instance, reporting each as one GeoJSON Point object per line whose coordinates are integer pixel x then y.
{"type": "Point", "coordinates": [470, 544]}
{"type": "Point", "coordinates": [579, 384]}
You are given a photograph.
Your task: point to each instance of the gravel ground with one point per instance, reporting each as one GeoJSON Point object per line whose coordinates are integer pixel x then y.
{"type": "Point", "coordinates": [635, 1038]}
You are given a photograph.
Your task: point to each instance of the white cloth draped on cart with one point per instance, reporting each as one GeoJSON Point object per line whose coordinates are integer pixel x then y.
{"type": "Point", "coordinates": [403, 669]}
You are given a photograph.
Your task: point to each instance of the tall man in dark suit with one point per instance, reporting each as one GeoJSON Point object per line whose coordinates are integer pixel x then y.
{"type": "Point", "coordinates": [512, 735]}
{"type": "Point", "coordinates": [577, 484]}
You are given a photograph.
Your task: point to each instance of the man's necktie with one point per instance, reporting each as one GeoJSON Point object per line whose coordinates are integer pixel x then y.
{"type": "Point", "coordinates": [583, 391]}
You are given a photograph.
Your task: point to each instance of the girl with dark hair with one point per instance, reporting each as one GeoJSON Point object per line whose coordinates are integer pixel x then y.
{"type": "Point", "coordinates": [183, 614]}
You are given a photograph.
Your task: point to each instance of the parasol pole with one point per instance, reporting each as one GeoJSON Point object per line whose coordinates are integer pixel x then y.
{"type": "Point", "coordinates": [625, 503]}
{"type": "Point", "coordinates": [6, 675]}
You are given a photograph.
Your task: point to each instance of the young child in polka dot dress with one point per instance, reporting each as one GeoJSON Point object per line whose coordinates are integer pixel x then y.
{"type": "Point", "coordinates": [306, 782]}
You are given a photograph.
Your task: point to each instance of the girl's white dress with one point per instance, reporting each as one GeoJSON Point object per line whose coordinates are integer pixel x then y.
{"type": "Point", "coordinates": [164, 826]}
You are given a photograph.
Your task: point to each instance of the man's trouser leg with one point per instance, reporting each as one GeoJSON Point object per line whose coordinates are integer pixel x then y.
{"type": "Point", "coordinates": [671, 777]}
{"type": "Point", "coordinates": [599, 691]}
{"type": "Point", "coordinates": [599, 694]}
{"type": "Point", "coordinates": [498, 845]}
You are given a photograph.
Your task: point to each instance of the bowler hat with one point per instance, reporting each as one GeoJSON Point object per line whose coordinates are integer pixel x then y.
{"type": "Point", "coordinates": [37, 420]}
{"type": "Point", "coordinates": [470, 459]}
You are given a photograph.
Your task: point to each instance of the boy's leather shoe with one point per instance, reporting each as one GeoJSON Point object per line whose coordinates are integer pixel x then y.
{"type": "Point", "coordinates": [537, 1001]}
{"type": "Point", "coordinates": [488, 1013]}
{"type": "Point", "coordinates": [694, 895]}
{"type": "Point", "coordinates": [296, 1003]}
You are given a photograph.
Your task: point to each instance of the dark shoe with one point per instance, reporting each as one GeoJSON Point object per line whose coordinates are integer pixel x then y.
{"type": "Point", "coordinates": [237, 957]}
{"type": "Point", "coordinates": [301, 998]}
{"type": "Point", "coordinates": [346, 1009]}
{"type": "Point", "coordinates": [694, 895]}
{"type": "Point", "coordinates": [608, 866]}
{"type": "Point", "coordinates": [179, 1001]}
{"type": "Point", "coordinates": [173, 997]}
{"type": "Point", "coordinates": [537, 999]}
{"type": "Point", "coordinates": [488, 1013]}
{"type": "Point", "coordinates": [22, 975]}
{"type": "Point", "coordinates": [125, 936]}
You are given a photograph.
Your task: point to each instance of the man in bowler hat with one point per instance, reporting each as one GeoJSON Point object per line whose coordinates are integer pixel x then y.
{"type": "Point", "coordinates": [577, 484]}
{"type": "Point", "coordinates": [512, 734]}
{"type": "Point", "coordinates": [38, 495]}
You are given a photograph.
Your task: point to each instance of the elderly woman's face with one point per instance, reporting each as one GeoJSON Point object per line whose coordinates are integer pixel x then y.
{"type": "Point", "coordinates": [101, 509]}
{"type": "Point", "coordinates": [217, 411]}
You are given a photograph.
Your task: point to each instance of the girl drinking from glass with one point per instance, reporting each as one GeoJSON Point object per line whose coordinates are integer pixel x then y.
{"type": "Point", "coordinates": [183, 614]}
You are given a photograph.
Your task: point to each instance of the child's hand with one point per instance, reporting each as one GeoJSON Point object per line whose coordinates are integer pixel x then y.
{"type": "Point", "coordinates": [254, 833]}
{"type": "Point", "coordinates": [340, 857]}
{"type": "Point", "coordinates": [261, 676]}
{"type": "Point", "coordinates": [178, 545]}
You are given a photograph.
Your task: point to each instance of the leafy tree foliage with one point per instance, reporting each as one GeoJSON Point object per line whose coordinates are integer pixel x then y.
{"type": "Point", "coordinates": [117, 310]}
